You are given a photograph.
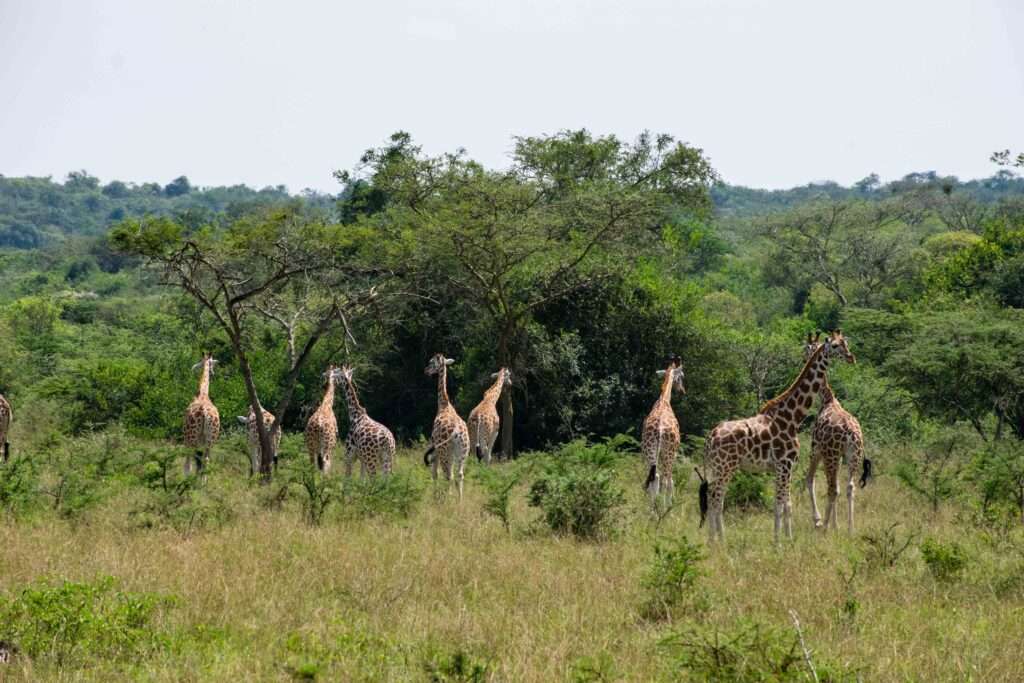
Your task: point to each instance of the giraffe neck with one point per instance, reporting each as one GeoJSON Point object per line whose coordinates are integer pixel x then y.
{"type": "Point", "coordinates": [204, 380]}
{"type": "Point", "coordinates": [328, 399]}
{"type": "Point", "coordinates": [494, 392]}
{"type": "Point", "coordinates": [666, 386]}
{"type": "Point", "coordinates": [826, 394]}
{"type": "Point", "coordinates": [355, 409]}
{"type": "Point", "coordinates": [794, 402]}
{"type": "Point", "coordinates": [442, 388]}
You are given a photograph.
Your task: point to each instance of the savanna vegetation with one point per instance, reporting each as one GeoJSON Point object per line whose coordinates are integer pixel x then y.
{"type": "Point", "coordinates": [581, 265]}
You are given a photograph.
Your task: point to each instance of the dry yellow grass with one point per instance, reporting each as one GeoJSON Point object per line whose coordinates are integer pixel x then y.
{"type": "Point", "coordinates": [377, 599]}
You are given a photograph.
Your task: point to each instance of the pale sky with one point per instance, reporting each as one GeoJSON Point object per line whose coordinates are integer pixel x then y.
{"type": "Point", "coordinates": [778, 93]}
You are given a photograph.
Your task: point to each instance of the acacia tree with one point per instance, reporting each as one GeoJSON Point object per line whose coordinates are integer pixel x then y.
{"type": "Point", "coordinates": [844, 246]}
{"type": "Point", "coordinates": [560, 218]}
{"type": "Point", "coordinates": [282, 265]}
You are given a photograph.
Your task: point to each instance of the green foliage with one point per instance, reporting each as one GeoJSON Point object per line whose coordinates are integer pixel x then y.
{"type": "Point", "coordinates": [946, 561]}
{"type": "Point", "coordinates": [934, 473]}
{"type": "Point", "coordinates": [576, 488]}
{"type": "Point", "coordinates": [748, 491]}
{"type": "Point", "coordinates": [671, 579]}
{"type": "Point", "coordinates": [18, 485]}
{"type": "Point", "coordinates": [458, 666]}
{"type": "Point", "coordinates": [70, 621]}
{"type": "Point", "coordinates": [751, 652]}
{"type": "Point", "coordinates": [884, 547]}
{"type": "Point", "coordinates": [498, 483]}
{"type": "Point", "coordinates": [395, 496]}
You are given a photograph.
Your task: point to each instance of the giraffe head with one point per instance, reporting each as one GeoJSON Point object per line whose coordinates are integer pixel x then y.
{"type": "Point", "coordinates": [437, 361]}
{"type": "Point", "coordinates": [207, 359]}
{"type": "Point", "coordinates": [343, 373]}
{"type": "Point", "coordinates": [835, 343]}
{"type": "Point", "coordinates": [506, 377]}
{"type": "Point", "coordinates": [333, 374]}
{"type": "Point", "coordinates": [675, 366]}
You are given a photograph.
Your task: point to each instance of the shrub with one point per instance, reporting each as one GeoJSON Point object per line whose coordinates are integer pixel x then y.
{"type": "Point", "coordinates": [498, 484]}
{"type": "Point", "coordinates": [749, 653]}
{"type": "Point", "coordinates": [882, 549]}
{"type": "Point", "coordinates": [18, 485]}
{"type": "Point", "coordinates": [456, 667]}
{"type": "Point", "coordinates": [95, 619]}
{"type": "Point", "coordinates": [395, 495]}
{"type": "Point", "coordinates": [946, 561]}
{"type": "Point", "coordinates": [671, 578]}
{"type": "Point", "coordinates": [576, 489]}
{"type": "Point", "coordinates": [748, 491]}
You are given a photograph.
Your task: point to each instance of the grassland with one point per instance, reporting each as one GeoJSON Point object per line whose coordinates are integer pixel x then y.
{"type": "Point", "coordinates": [447, 593]}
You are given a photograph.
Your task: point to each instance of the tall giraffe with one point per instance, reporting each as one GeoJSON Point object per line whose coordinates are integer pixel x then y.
{"type": "Point", "coordinates": [322, 425]}
{"type": "Point", "coordinates": [368, 440]}
{"type": "Point", "coordinates": [202, 421]}
{"type": "Point", "coordinates": [836, 436]}
{"type": "Point", "coordinates": [659, 438]}
{"type": "Point", "coordinates": [483, 420]}
{"type": "Point", "coordinates": [6, 415]}
{"type": "Point", "coordinates": [254, 437]}
{"type": "Point", "coordinates": [768, 440]}
{"type": "Point", "coordinates": [449, 439]}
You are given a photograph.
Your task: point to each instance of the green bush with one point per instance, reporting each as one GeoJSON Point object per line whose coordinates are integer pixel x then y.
{"type": "Point", "coordinates": [749, 653]}
{"type": "Point", "coordinates": [395, 495]}
{"type": "Point", "coordinates": [89, 620]}
{"type": "Point", "coordinates": [18, 485]}
{"type": "Point", "coordinates": [671, 579]}
{"type": "Point", "coordinates": [455, 667]}
{"type": "Point", "coordinates": [748, 491]}
{"type": "Point", "coordinates": [576, 489]}
{"type": "Point", "coordinates": [498, 484]}
{"type": "Point", "coordinates": [946, 561]}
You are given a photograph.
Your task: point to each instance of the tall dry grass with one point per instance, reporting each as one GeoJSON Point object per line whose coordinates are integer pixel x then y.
{"type": "Point", "coordinates": [266, 596]}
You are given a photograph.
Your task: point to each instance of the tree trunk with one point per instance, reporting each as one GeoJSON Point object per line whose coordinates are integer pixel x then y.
{"type": "Point", "coordinates": [507, 414]}
{"type": "Point", "coordinates": [266, 442]}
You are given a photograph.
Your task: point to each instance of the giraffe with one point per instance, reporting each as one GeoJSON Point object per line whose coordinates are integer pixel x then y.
{"type": "Point", "coordinates": [483, 420]}
{"type": "Point", "coordinates": [449, 439]}
{"type": "Point", "coordinates": [767, 440]}
{"type": "Point", "coordinates": [322, 426]}
{"type": "Point", "coordinates": [202, 421]}
{"type": "Point", "coordinates": [6, 415]}
{"type": "Point", "coordinates": [368, 440]}
{"type": "Point", "coordinates": [254, 437]}
{"type": "Point", "coordinates": [659, 436]}
{"type": "Point", "coordinates": [836, 435]}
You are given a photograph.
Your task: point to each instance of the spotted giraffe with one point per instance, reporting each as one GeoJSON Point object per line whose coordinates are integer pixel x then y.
{"type": "Point", "coordinates": [483, 420]}
{"type": "Point", "coordinates": [369, 441]}
{"type": "Point", "coordinates": [767, 441]}
{"type": "Point", "coordinates": [254, 437]}
{"type": "Point", "coordinates": [6, 415]}
{"type": "Point", "coordinates": [836, 436]}
{"type": "Point", "coordinates": [202, 421]}
{"type": "Point", "coordinates": [449, 439]}
{"type": "Point", "coordinates": [322, 425]}
{"type": "Point", "coordinates": [659, 437]}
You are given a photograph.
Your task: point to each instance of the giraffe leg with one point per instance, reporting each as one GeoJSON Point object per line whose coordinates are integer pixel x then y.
{"type": "Point", "coordinates": [783, 504]}
{"type": "Point", "coordinates": [811, 471]}
{"type": "Point", "coordinates": [348, 461]}
{"type": "Point", "coordinates": [670, 489]}
{"type": "Point", "coordinates": [200, 461]}
{"type": "Point", "coordinates": [832, 477]}
{"type": "Point", "coordinates": [462, 476]}
{"type": "Point", "coordinates": [854, 462]}
{"type": "Point", "coordinates": [716, 505]}
{"type": "Point", "coordinates": [189, 459]}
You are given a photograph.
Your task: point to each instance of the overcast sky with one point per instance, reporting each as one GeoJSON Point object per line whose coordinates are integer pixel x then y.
{"type": "Point", "coordinates": [777, 93]}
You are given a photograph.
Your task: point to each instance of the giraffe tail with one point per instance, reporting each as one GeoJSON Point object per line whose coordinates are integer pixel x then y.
{"type": "Point", "coordinates": [702, 495]}
{"type": "Point", "coordinates": [7, 451]}
{"type": "Point", "coordinates": [479, 451]}
{"type": "Point", "coordinates": [426, 456]}
{"type": "Point", "coordinates": [866, 473]}
{"type": "Point", "coordinates": [651, 473]}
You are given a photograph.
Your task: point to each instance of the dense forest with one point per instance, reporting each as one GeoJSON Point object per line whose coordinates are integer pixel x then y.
{"type": "Point", "coordinates": [924, 274]}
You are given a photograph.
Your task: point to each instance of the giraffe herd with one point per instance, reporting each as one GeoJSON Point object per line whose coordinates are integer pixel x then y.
{"type": "Point", "coordinates": [767, 441]}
